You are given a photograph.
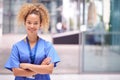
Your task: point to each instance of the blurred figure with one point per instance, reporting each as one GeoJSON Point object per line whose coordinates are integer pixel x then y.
{"type": "Point", "coordinates": [92, 14]}
{"type": "Point", "coordinates": [64, 27]}
{"type": "Point", "coordinates": [59, 27]}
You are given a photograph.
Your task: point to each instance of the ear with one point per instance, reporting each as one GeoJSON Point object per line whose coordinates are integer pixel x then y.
{"type": "Point", "coordinates": [40, 25]}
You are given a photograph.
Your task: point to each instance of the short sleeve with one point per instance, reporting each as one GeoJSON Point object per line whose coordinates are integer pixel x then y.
{"type": "Point", "coordinates": [51, 52]}
{"type": "Point", "coordinates": [13, 60]}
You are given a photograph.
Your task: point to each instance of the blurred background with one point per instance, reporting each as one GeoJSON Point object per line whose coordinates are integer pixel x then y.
{"type": "Point", "coordinates": [85, 33]}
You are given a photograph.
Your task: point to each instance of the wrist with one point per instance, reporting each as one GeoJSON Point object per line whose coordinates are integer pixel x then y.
{"type": "Point", "coordinates": [25, 65]}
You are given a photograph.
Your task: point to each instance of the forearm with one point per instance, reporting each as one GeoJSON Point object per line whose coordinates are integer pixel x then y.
{"type": "Point", "coordinates": [22, 72]}
{"type": "Point", "coordinates": [40, 69]}
{"type": "Point", "coordinates": [44, 68]}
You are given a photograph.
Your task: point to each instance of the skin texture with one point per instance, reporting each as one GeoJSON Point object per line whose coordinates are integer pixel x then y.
{"type": "Point", "coordinates": [32, 25]}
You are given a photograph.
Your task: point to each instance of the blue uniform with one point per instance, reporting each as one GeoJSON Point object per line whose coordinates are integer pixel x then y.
{"type": "Point", "coordinates": [20, 54]}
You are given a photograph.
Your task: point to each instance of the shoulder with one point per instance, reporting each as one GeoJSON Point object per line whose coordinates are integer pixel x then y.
{"type": "Point", "coordinates": [46, 43]}
{"type": "Point", "coordinates": [19, 43]}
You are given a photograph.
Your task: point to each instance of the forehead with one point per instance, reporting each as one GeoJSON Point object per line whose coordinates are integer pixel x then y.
{"type": "Point", "coordinates": [33, 17]}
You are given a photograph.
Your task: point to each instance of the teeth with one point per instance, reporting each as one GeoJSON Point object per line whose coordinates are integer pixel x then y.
{"type": "Point", "coordinates": [32, 30]}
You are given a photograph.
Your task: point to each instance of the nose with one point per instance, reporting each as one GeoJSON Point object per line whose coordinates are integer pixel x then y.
{"type": "Point", "coordinates": [31, 25]}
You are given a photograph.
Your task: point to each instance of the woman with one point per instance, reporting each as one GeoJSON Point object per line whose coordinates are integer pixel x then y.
{"type": "Point", "coordinates": [32, 58]}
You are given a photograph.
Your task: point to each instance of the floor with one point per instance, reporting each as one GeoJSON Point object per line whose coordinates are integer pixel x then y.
{"type": "Point", "coordinates": [73, 77]}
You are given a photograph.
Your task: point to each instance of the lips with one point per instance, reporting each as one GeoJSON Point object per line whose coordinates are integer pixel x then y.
{"type": "Point", "coordinates": [32, 30]}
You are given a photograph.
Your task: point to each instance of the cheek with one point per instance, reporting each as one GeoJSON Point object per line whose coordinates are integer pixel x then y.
{"type": "Point", "coordinates": [27, 28]}
{"type": "Point", "coordinates": [37, 27]}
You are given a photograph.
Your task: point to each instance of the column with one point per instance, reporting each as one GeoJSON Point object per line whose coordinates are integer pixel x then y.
{"type": "Point", "coordinates": [53, 16]}
{"type": "Point", "coordinates": [1, 17]}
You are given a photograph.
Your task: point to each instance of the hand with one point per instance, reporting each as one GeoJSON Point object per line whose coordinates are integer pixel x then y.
{"type": "Point", "coordinates": [46, 61]}
{"type": "Point", "coordinates": [24, 65]}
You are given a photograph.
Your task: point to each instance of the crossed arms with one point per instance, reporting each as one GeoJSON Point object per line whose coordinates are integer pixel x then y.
{"type": "Point", "coordinates": [27, 69]}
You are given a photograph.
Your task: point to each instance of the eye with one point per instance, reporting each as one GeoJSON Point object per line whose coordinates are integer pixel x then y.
{"type": "Point", "coordinates": [35, 23]}
{"type": "Point", "coordinates": [28, 22]}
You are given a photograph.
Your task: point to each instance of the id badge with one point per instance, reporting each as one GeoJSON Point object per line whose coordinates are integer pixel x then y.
{"type": "Point", "coordinates": [31, 77]}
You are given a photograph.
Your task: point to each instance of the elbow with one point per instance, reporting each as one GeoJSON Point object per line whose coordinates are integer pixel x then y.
{"type": "Point", "coordinates": [15, 73]}
{"type": "Point", "coordinates": [50, 71]}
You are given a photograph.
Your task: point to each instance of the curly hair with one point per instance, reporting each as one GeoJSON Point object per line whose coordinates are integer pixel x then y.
{"type": "Point", "coordinates": [34, 8]}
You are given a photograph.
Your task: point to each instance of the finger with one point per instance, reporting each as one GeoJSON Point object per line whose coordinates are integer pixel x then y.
{"type": "Point", "coordinates": [46, 61]}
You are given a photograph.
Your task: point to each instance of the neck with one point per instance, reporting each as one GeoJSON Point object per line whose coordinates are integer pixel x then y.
{"type": "Point", "coordinates": [32, 39]}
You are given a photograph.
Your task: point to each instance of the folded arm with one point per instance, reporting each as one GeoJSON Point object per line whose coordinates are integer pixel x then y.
{"type": "Point", "coordinates": [40, 69]}
{"type": "Point", "coordinates": [45, 68]}
{"type": "Point", "coordinates": [22, 72]}
{"type": "Point", "coordinates": [27, 69]}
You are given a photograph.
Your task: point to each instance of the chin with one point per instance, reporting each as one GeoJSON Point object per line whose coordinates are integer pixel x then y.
{"type": "Point", "coordinates": [32, 32]}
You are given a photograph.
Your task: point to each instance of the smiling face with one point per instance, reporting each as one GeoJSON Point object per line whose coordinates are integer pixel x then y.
{"type": "Point", "coordinates": [32, 24]}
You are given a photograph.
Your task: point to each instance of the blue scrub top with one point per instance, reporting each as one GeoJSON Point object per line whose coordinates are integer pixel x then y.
{"type": "Point", "coordinates": [20, 54]}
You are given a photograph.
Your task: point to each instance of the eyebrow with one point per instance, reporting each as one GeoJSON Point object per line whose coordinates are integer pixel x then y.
{"type": "Point", "coordinates": [30, 21]}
